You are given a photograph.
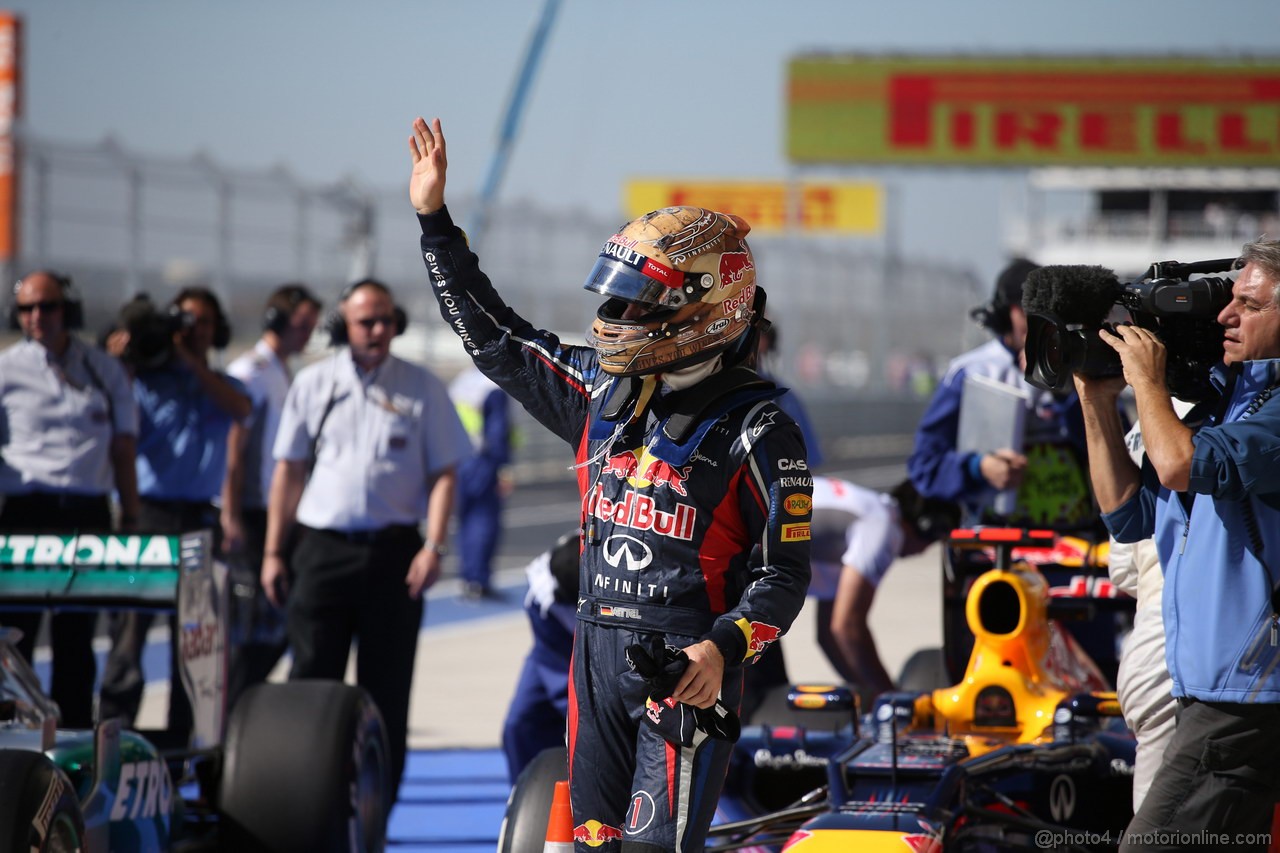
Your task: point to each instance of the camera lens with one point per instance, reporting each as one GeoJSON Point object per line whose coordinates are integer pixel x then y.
{"type": "Point", "coordinates": [1050, 355]}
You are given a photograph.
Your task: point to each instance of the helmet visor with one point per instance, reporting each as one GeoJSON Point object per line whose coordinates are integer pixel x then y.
{"type": "Point", "coordinates": [635, 278]}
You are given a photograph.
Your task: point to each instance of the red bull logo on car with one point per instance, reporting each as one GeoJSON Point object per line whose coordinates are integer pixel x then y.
{"type": "Point", "coordinates": [593, 833]}
{"type": "Point", "coordinates": [639, 512]}
{"type": "Point", "coordinates": [759, 635]}
{"type": "Point", "coordinates": [642, 470]}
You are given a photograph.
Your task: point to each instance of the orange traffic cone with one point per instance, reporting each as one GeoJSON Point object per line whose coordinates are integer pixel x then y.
{"type": "Point", "coordinates": [560, 822]}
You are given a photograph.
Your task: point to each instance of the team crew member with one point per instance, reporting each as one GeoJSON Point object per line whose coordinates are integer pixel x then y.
{"type": "Point", "coordinates": [485, 410]}
{"type": "Point", "coordinates": [539, 709]}
{"type": "Point", "coordinates": [290, 317]}
{"type": "Point", "coordinates": [69, 437]}
{"type": "Point", "coordinates": [1054, 436]}
{"type": "Point", "coordinates": [858, 533]}
{"type": "Point", "coordinates": [381, 440]}
{"type": "Point", "coordinates": [684, 465]}
{"type": "Point", "coordinates": [185, 410]}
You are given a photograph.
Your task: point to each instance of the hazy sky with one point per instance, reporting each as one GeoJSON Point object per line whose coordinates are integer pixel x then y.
{"type": "Point", "coordinates": [678, 88]}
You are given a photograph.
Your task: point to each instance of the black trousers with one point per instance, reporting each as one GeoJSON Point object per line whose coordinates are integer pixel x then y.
{"type": "Point", "coordinates": [354, 590]}
{"type": "Point", "coordinates": [70, 634]}
{"type": "Point", "coordinates": [123, 679]}
{"type": "Point", "coordinates": [1220, 778]}
{"type": "Point", "coordinates": [263, 637]}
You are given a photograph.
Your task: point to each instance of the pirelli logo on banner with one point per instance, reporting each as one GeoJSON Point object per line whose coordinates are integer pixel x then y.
{"type": "Point", "coordinates": [1034, 111]}
{"type": "Point", "coordinates": [835, 207]}
{"type": "Point", "coordinates": [795, 532]}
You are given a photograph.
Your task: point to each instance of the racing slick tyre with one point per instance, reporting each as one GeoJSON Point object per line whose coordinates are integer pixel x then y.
{"type": "Point", "coordinates": [306, 768]}
{"type": "Point", "coordinates": [38, 807]}
{"type": "Point", "coordinates": [524, 826]}
{"type": "Point", "coordinates": [924, 671]}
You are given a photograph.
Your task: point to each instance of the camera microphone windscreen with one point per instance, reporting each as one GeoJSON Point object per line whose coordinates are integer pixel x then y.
{"type": "Point", "coordinates": [1073, 293]}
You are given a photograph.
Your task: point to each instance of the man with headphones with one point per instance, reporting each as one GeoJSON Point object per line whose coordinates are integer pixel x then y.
{"type": "Point", "coordinates": [291, 315]}
{"type": "Point", "coordinates": [937, 469]}
{"type": "Point", "coordinates": [366, 452]}
{"type": "Point", "coordinates": [68, 439]}
{"type": "Point", "coordinates": [186, 410]}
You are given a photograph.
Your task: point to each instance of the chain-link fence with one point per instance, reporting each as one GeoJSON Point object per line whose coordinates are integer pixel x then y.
{"type": "Point", "coordinates": [120, 221]}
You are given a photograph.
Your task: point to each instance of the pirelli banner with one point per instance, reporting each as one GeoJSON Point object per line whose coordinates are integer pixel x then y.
{"type": "Point", "coordinates": [1085, 111]}
{"type": "Point", "coordinates": [835, 207]}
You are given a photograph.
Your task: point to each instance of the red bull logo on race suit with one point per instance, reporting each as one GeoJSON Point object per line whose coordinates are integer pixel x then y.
{"type": "Point", "coordinates": [640, 512]}
{"type": "Point", "coordinates": [759, 635]}
{"type": "Point", "coordinates": [642, 470]}
{"type": "Point", "coordinates": [594, 833]}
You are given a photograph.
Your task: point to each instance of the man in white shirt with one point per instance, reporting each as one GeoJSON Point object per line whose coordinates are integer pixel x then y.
{"type": "Point", "coordinates": [366, 450]}
{"type": "Point", "coordinates": [68, 438]}
{"type": "Point", "coordinates": [291, 314]}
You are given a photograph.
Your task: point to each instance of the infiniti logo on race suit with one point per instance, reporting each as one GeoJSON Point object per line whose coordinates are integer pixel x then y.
{"type": "Point", "coordinates": [620, 547]}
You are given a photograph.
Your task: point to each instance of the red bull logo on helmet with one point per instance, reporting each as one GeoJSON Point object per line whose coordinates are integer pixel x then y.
{"type": "Point", "coordinates": [593, 833]}
{"type": "Point", "coordinates": [642, 470]}
{"type": "Point", "coordinates": [759, 635]}
{"type": "Point", "coordinates": [733, 266]}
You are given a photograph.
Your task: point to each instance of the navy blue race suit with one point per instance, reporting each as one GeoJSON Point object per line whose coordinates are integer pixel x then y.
{"type": "Point", "coordinates": [671, 515]}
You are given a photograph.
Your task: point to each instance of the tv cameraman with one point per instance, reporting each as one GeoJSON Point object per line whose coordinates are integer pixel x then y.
{"type": "Point", "coordinates": [1211, 497]}
{"type": "Point", "coordinates": [186, 409]}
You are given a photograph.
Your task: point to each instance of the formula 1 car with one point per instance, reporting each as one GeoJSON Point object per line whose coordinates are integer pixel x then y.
{"type": "Point", "coordinates": [1027, 751]}
{"type": "Point", "coordinates": [298, 766]}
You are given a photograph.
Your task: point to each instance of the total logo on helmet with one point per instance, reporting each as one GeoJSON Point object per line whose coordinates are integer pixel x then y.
{"type": "Point", "coordinates": [641, 469]}
{"type": "Point", "coordinates": [759, 635]}
{"type": "Point", "coordinates": [594, 833]}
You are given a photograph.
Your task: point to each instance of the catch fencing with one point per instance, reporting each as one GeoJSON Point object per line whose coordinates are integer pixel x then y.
{"type": "Point", "coordinates": [120, 221]}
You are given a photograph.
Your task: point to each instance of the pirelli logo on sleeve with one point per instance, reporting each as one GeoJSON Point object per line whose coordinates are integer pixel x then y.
{"type": "Point", "coordinates": [795, 532]}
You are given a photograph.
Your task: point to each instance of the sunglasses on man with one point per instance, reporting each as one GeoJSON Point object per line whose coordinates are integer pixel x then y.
{"type": "Point", "coordinates": [44, 305]}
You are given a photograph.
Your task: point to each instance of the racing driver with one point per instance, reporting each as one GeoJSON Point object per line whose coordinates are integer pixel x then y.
{"type": "Point", "coordinates": [685, 464]}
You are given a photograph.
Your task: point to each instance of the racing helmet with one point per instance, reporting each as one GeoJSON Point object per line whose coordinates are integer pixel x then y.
{"type": "Point", "coordinates": [691, 276]}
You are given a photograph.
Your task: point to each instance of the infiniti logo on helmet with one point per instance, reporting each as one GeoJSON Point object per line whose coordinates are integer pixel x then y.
{"type": "Point", "coordinates": [621, 547]}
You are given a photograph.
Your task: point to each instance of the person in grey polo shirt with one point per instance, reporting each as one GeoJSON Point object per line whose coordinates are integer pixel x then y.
{"type": "Point", "coordinates": [68, 438]}
{"type": "Point", "coordinates": [366, 449]}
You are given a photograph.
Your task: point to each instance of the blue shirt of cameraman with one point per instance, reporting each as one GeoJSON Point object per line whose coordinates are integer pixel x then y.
{"type": "Point", "coordinates": [1217, 593]}
{"type": "Point", "coordinates": [182, 436]}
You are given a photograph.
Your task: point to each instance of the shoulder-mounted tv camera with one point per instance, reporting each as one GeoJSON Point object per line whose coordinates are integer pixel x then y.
{"type": "Point", "coordinates": [1067, 305]}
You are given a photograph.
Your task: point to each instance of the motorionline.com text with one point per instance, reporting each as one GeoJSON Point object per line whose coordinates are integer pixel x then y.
{"type": "Point", "coordinates": [1047, 839]}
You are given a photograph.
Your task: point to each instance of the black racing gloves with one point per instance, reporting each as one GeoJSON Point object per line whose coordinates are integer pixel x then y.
{"type": "Point", "coordinates": [661, 666]}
